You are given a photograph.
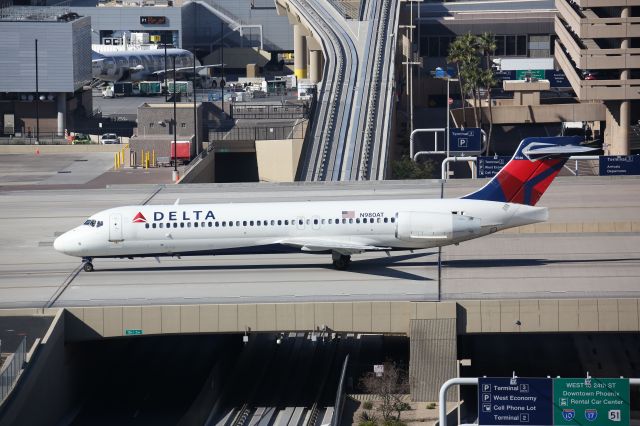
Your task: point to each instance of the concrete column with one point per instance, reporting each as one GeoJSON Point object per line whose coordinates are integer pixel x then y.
{"type": "Point", "coordinates": [315, 72]}
{"type": "Point", "coordinates": [299, 52]}
{"type": "Point", "coordinates": [62, 113]}
{"type": "Point", "coordinates": [619, 144]}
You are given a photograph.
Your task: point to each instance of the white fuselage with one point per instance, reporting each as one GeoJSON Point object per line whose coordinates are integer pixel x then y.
{"type": "Point", "coordinates": [137, 65]}
{"type": "Point", "coordinates": [323, 226]}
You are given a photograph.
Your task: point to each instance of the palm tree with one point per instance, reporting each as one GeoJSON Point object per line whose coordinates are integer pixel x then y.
{"type": "Point", "coordinates": [487, 45]}
{"type": "Point", "coordinates": [471, 73]}
{"type": "Point", "coordinates": [457, 56]}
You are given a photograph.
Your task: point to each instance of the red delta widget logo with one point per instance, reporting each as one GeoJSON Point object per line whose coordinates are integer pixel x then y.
{"type": "Point", "coordinates": [176, 215]}
{"type": "Point", "coordinates": [139, 218]}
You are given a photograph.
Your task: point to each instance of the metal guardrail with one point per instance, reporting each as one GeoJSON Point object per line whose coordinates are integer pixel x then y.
{"type": "Point", "coordinates": [45, 139]}
{"type": "Point", "coordinates": [11, 369]}
{"type": "Point", "coordinates": [266, 111]}
{"type": "Point", "coordinates": [340, 395]}
{"type": "Point", "coordinates": [258, 133]}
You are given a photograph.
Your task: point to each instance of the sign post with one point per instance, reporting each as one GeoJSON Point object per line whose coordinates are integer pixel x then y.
{"type": "Point", "coordinates": [509, 401]}
{"type": "Point", "coordinates": [591, 401]}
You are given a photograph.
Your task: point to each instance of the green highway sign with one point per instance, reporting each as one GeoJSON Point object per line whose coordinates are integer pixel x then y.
{"type": "Point", "coordinates": [132, 332]}
{"type": "Point", "coordinates": [597, 402]}
{"type": "Point", "coordinates": [521, 74]}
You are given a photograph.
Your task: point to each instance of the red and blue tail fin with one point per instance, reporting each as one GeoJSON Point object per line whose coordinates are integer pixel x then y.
{"type": "Point", "coordinates": [535, 164]}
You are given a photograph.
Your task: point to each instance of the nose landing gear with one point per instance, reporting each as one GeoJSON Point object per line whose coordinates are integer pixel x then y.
{"type": "Point", "coordinates": [340, 261]}
{"type": "Point", "coordinates": [87, 266]}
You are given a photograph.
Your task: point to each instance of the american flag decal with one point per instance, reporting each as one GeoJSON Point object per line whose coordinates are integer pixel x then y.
{"type": "Point", "coordinates": [348, 214]}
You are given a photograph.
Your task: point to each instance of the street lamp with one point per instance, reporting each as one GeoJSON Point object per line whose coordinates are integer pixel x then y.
{"type": "Point", "coordinates": [175, 125]}
{"type": "Point", "coordinates": [37, 100]}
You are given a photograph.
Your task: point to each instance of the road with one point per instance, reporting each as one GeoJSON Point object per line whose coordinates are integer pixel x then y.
{"type": "Point", "coordinates": [537, 265]}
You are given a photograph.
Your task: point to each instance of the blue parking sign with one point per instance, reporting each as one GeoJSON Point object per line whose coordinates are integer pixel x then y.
{"type": "Point", "coordinates": [466, 140]}
{"type": "Point", "coordinates": [519, 401]}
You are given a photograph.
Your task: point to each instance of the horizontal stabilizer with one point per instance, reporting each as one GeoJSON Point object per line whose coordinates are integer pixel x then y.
{"type": "Point", "coordinates": [544, 149]}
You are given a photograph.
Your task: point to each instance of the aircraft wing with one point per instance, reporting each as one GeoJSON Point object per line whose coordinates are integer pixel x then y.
{"type": "Point", "coordinates": [322, 244]}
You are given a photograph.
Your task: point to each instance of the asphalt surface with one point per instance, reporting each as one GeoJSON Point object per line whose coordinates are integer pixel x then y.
{"type": "Point", "coordinates": [14, 329]}
{"type": "Point", "coordinates": [591, 264]}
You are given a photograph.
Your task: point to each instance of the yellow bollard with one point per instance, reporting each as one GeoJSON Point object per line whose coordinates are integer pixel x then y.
{"type": "Point", "coordinates": [153, 158]}
{"type": "Point", "coordinates": [148, 159]}
{"type": "Point", "coordinates": [142, 158]}
{"type": "Point", "coordinates": [115, 160]}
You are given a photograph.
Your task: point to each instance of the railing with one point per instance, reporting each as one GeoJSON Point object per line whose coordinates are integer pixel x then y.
{"type": "Point", "coordinates": [46, 138]}
{"type": "Point", "coordinates": [256, 111]}
{"type": "Point", "coordinates": [11, 369]}
{"type": "Point", "coordinates": [259, 133]}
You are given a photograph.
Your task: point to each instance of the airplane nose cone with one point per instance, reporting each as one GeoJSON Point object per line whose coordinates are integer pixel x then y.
{"type": "Point", "coordinates": [64, 243]}
{"type": "Point", "coordinates": [59, 243]}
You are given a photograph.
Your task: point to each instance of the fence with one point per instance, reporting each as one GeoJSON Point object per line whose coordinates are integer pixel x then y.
{"type": "Point", "coordinates": [11, 369]}
{"type": "Point", "coordinates": [46, 138]}
{"type": "Point", "coordinates": [259, 133]}
{"type": "Point", "coordinates": [257, 111]}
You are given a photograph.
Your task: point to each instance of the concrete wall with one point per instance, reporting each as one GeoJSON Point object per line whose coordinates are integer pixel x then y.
{"type": "Point", "coordinates": [203, 171]}
{"type": "Point", "coordinates": [476, 316]}
{"type": "Point", "coordinates": [128, 19]}
{"type": "Point", "coordinates": [278, 159]}
{"type": "Point", "coordinates": [565, 315]}
{"type": "Point", "coordinates": [64, 56]}
{"type": "Point", "coordinates": [513, 114]}
{"type": "Point", "coordinates": [45, 383]}
{"type": "Point", "coordinates": [205, 26]}
{"type": "Point", "coordinates": [433, 355]}
{"type": "Point", "coordinates": [157, 119]}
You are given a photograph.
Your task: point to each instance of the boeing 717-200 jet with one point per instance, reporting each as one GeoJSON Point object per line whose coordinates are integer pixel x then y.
{"type": "Point", "coordinates": [340, 228]}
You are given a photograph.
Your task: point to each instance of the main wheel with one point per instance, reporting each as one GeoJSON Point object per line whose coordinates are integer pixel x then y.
{"type": "Point", "coordinates": [88, 267]}
{"type": "Point", "coordinates": [341, 262]}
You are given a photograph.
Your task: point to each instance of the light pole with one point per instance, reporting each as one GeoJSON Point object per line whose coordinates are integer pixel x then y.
{"type": "Point", "coordinates": [195, 118]}
{"type": "Point", "coordinates": [175, 126]}
{"type": "Point", "coordinates": [166, 88]}
{"type": "Point", "coordinates": [37, 100]}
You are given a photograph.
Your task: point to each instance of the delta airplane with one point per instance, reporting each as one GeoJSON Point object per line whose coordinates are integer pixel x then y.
{"type": "Point", "coordinates": [140, 65]}
{"type": "Point", "coordinates": [340, 228]}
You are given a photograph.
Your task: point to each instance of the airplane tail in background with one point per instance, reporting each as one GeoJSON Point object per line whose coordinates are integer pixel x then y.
{"type": "Point", "coordinates": [528, 174]}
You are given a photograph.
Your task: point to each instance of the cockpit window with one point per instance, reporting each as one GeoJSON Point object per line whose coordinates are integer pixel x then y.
{"type": "Point", "coordinates": [92, 222]}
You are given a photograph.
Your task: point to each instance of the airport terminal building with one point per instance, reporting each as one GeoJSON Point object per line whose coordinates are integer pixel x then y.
{"type": "Point", "coordinates": [43, 88]}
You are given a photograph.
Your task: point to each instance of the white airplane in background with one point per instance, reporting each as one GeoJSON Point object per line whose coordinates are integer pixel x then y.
{"type": "Point", "coordinates": [141, 65]}
{"type": "Point", "coordinates": [341, 228]}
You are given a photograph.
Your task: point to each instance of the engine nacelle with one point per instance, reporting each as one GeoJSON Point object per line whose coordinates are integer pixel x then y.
{"type": "Point", "coordinates": [417, 226]}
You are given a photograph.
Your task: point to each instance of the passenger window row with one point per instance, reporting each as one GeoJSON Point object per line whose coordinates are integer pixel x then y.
{"type": "Point", "coordinates": [272, 222]}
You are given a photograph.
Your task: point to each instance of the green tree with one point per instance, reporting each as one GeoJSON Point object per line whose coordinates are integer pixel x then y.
{"type": "Point", "coordinates": [464, 53]}
{"type": "Point", "coordinates": [457, 57]}
{"type": "Point", "coordinates": [487, 46]}
{"type": "Point", "coordinates": [405, 168]}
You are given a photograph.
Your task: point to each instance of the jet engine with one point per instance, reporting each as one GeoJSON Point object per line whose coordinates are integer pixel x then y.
{"type": "Point", "coordinates": [417, 226]}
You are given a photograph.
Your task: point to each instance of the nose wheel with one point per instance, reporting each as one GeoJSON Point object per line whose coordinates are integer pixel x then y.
{"type": "Point", "coordinates": [87, 266]}
{"type": "Point", "coordinates": [340, 261]}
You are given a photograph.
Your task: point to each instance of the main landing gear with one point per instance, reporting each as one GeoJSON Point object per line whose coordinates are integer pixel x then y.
{"type": "Point", "coordinates": [87, 266]}
{"type": "Point", "coordinates": [340, 261]}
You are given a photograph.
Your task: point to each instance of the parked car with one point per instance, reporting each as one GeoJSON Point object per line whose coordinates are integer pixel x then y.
{"type": "Point", "coordinates": [80, 138]}
{"type": "Point", "coordinates": [109, 138]}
